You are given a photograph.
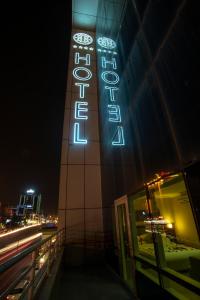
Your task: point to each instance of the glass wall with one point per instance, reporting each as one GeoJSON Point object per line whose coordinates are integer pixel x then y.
{"type": "Point", "coordinates": [143, 243]}
{"type": "Point", "coordinates": [157, 46]}
{"type": "Point", "coordinates": [165, 236]}
{"type": "Point", "coordinates": [125, 260]}
{"type": "Point", "coordinates": [157, 61]}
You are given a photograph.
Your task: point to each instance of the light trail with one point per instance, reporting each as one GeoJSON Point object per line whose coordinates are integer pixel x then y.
{"type": "Point", "coordinates": [14, 248]}
{"type": "Point", "coordinates": [18, 229]}
{"type": "Point", "coordinates": [19, 243]}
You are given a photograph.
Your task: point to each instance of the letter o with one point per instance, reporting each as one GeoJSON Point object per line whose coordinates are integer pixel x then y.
{"type": "Point", "coordinates": [76, 70]}
{"type": "Point", "coordinates": [104, 74]}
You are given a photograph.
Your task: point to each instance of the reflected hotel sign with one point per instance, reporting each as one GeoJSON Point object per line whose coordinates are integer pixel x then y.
{"type": "Point", "coordinates": [111, 80]}
{"type": "Point", "coordinates": [83, 74]}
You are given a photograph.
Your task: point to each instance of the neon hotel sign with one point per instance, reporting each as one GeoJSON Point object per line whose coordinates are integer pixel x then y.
{"type": "Point", "coordinates": [83, 74]}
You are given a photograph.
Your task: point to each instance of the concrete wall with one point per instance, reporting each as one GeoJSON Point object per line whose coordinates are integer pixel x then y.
{"type": "Point", "coordinates": [80, 202]}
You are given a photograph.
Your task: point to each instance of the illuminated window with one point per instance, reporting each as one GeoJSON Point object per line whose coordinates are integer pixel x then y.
{"type": "Point", "coordinates": [163, 220]}
{"type": "Point", "coordinates": [82, 69]}
{"type": "Point", "coordinates": [79, 109]}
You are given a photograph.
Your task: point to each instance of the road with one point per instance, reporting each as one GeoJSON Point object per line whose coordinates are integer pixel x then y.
{"type": "Point", "coordinates": [18, 234]}
{"type": "Point", "coordinates": [12, 244]}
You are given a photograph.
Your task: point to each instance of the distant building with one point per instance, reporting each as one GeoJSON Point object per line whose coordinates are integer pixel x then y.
{"type": "Point", "coordinates": [6, 210]}
{"type": "Point", "coordinates": [29, 203]}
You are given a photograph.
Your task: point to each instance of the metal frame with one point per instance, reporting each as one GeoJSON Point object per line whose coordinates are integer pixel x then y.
{"type": "Point", "coordinates": [118, 202]}
{"type": "Point", "coordinates": [162, 270]}
{"type": "Point", "coordinates": [123, 201]}
{"type": "Point", "coordinates": [53, 250]}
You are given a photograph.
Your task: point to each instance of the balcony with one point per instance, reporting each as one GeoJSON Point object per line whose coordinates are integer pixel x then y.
{"type": "Point", "coordinates": [47, 270]}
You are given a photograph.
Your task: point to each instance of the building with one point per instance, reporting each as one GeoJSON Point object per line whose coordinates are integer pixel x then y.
{"type": "Point", "coordinates": [29, 203]}
{"type": "Point", "coordinates": [130, 149]}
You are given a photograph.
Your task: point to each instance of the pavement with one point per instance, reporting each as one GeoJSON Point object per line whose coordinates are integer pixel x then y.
{"type": "Point", "coordinates": [89, 282]}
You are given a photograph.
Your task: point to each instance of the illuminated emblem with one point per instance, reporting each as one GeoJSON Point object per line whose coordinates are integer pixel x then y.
{"type": "Point", "coordinates": [82, 38]}
{"type": "Point", "coordinates": [106, 43]}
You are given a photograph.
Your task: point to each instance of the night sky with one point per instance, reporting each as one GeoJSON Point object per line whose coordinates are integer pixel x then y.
{"type": "Point", "coordinates": [34, 51]}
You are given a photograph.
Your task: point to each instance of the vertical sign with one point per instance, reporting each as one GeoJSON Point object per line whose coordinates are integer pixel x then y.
{"type": "Point", "coordinates": [80, 197]}
{"type": "Point", "coordinates": [111, 81]}
{"type": "Point", "coordinates": [82, 74]}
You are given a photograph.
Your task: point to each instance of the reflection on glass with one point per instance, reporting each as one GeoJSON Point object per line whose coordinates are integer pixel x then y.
{"type": "Point", "coordinates": [173, 220]}
{"type": "Point", "coordinates": [123, 228]}
{"type": "Point", "coordinates": [142, 238]}
{"type": "Point", "coordinates": [164, 233]}
{"type": "Point", "coordinates": [173, 225]}
{"type": "Point", "coordinates": [178, 290]}
{"type": "Point", "coordinates": [125, 261]}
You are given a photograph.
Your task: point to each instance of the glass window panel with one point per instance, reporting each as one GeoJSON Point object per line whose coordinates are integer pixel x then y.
{"type": "Point", "coordinates": [141, 5]}
{"type": "Point", "coordinates": [126, 263]}
{"type": "Point", "coordinates": [147, 270]}
{"type": "Point", "coordinates": [178, 290]}
{"type": "Point", "coordinates": [173, 225]}
{"type": "Point", "coordinates": [142, 239]}
{"type": "Point", "coordinates": [157, 20]}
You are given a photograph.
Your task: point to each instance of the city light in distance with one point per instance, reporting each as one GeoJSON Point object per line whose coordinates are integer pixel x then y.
{"type": "Point", "coordinates": [30, 191]}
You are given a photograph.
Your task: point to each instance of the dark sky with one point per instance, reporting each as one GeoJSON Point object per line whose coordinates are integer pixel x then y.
{"type": "Point", "coordinates": [34, 47]}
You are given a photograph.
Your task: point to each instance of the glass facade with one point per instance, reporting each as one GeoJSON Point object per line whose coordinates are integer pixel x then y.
{"type": "Point", "coordinates": [135, 121]}
{"type": "Point", "coordinates": [164, 232]}
{"type": "Point", "coordinates": [157, 46]}
{"type": "Point", "coordinates": [157, 166]}
{"type": "Point", "coordinates": [163, 244]}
